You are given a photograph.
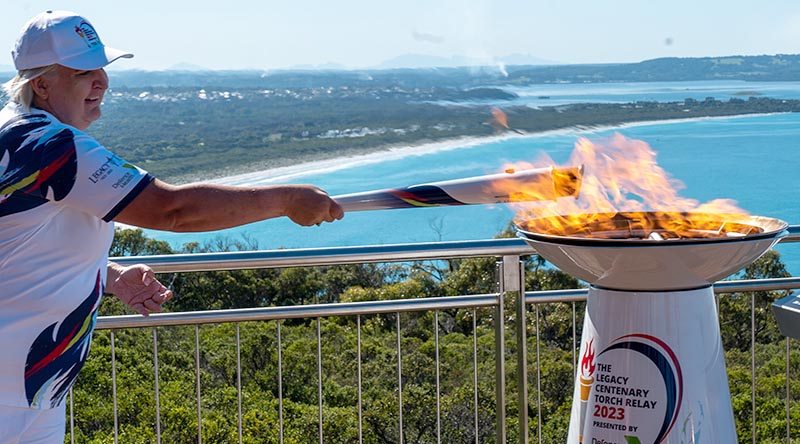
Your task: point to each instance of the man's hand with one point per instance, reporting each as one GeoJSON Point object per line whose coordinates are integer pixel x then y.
{"type": "Point", "coordinates": [137, 287]}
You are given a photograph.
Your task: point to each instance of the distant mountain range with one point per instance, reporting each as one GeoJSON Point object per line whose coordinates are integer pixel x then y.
{"type": "Point", "coordinates": [770, 68]}
{"type": "Point", "coordinates": [187, 67]}
{"type": "Point", "coordinates": [429, 61]}
{"type": "Point", "coordinates": [462, 72]}
{"type": "Point", "coordinates": [406, 61]}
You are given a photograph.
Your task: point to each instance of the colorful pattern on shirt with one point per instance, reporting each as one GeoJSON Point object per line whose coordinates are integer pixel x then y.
{"type": "Point", "coordinates": [59, 352]}
{"type": "Point", "coordinates": [37, 162]}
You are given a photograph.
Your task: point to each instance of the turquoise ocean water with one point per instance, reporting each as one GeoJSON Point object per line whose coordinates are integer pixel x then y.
{"type": "Point", "coordinates": [750, 159]}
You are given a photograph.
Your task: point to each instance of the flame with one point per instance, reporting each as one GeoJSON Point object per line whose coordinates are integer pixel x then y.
{"type": "Point", "coordinates": [624, 190]}
{"type": "Point", "coordinates": [499, 118]}
{"type": "Point", "coordinates": [500, 121]}
{"type": "Point", "coordinates": [587, 361]}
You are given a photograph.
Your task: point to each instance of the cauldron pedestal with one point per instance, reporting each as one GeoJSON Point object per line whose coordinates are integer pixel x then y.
{"type": "Point", "coordinates": [651, 369]}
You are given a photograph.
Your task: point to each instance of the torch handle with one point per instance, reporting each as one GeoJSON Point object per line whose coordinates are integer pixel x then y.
{"type": "Point", "coordinates": [527, 185]}
{"type": "Point", "coordinates": [376, 200]}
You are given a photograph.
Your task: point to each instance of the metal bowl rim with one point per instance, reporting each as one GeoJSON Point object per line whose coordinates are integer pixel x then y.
{"type": "Point", "coordinates": [780, 231]}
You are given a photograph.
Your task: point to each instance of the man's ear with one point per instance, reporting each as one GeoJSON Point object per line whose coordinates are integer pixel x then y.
{"type": "Point", "coordinates": [40, 87]}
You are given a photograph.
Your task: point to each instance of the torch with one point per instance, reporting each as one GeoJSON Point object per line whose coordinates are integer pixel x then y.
{"type": "Point", "coordinates": [511, 186]}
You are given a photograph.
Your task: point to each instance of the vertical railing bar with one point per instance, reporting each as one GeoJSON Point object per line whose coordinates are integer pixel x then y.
{"type": "Point", "coordinates": [156, 385]}
{"type": "Point", "coordinates": [197, 382]}
{"type": "Point", "coordinates": [438, 387]}
{"type": "Point", "coordinates": [753, 365]}
{"type": "Point", "coordinates": [280, 385]}
{"type": "Point", "coordinates": [500, 367]}
{"type": "Point", "coordinates": [717, 305]}
{"type": "Point", "coordinates": [239, 380]}
{"type": "Point", "coordinates": [358, 346]}
{"type": "Point", "coordinates": [538, 375]}
{"type": "Point", "coordinates": [319, 379]}
{"type": "Point", "coordinates": [399, 380]}
{"type": "Point", "coordinates": [574, 340]}
{"type": "Point", "coordinates": [475, 372]}
{"type": "Point", "coordinates": [71, 418]}
{"type": "Point", "coordinates": [114, 388]}
{"type": "Point", "coordinates": [788, 392]}
{"type": "Point", "coordinates": [515, 281]}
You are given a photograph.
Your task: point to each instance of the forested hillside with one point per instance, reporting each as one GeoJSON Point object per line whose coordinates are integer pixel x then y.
{"type": "Point", "coordinates": [781, 67]}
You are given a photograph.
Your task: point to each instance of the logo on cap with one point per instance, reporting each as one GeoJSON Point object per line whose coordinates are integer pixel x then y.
{"type": "Point", "coordinates": [88, 34]}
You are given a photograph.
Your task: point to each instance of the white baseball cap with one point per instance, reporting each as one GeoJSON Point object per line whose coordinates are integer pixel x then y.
{"type": "Point", "coordinates": [64, 38]}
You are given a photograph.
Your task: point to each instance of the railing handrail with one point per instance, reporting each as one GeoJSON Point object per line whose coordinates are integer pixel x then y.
{"type": "Point", "coordinates": [296, 311]}
{"type": "Point", "coordinates": [238, 260]}
{"type": "Point", "coordinates": [392, 306]}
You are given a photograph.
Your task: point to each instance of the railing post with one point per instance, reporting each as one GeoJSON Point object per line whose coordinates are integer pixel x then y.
{"type": "Point", "coordinates": [514, 282]}
{"type": "Point", "coordinates": [499, 358]}
{"type": "Point", "coordinates": [511, 281]}
{"type": "Point", "coordinates": [522, 351]}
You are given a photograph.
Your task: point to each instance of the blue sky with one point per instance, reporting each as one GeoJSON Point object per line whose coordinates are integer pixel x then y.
{"type": "Point", "coordinates": [271, 34]}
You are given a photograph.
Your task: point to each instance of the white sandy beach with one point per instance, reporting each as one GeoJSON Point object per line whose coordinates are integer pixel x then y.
{"type": "Point", "coordinates": [381, 154]}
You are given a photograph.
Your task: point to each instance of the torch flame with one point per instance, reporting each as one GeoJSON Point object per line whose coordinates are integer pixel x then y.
{"type": "Point", "coordinates": [623, 189]}
{"type": "Point", "coordinates": [587, 361]}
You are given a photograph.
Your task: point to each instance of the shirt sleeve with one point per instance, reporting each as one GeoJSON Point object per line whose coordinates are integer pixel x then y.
{"type": "Point", "coordinates": [104, 184]}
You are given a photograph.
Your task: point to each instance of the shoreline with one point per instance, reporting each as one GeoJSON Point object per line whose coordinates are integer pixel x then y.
{"type": "Point", "coordinates": [284, 171]}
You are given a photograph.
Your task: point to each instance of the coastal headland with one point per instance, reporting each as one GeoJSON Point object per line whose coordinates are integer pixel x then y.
{"type": "Point", "coordinates": [189, 134]}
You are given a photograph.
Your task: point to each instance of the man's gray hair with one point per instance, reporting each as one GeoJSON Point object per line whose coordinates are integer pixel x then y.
{"type": "Point", "coordinates": [18, 89]}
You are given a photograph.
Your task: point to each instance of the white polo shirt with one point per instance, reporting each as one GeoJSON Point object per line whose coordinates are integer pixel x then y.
{"type": "Point", "coordinates": [59, 191]}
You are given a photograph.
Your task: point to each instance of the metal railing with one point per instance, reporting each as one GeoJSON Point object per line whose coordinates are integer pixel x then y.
{"type": "Point", "coordinates": [510, 288]}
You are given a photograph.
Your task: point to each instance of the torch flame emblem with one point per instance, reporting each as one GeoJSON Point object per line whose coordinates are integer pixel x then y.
{"type": "Point", "coordinates": [587, 361]}
{"type": "Point", "coordinates": [586, 380]}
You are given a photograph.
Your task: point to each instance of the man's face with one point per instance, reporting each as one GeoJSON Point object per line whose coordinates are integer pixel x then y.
{"type": "Point", "coordinates": [73, 96]}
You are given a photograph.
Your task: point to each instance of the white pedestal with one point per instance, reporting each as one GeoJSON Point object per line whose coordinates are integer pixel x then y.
{"type": "Point", "coordinates": [651, 370]}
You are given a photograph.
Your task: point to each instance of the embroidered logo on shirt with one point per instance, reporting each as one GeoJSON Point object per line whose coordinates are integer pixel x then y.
{"type": "Point", "coordinates": [107, 168]}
